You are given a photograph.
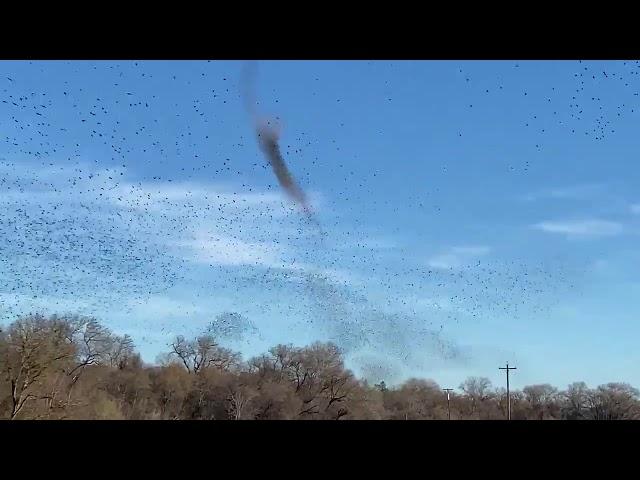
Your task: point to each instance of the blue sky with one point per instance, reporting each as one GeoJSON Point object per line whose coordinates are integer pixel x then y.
{"type": "Point", "coordinates": [474, 212]}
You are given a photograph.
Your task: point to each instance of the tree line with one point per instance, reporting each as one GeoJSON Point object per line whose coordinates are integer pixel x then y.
{"type": "Point", "coordinates": [72, 367]}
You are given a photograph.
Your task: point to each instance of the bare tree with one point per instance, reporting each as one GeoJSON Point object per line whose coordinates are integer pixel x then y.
{"type": "Point", "coordinates": [614, 401]}
{"type": "Point", "coordinates": [416, 399]}
{"type": "Point", "coordinates": [575, 401]}
{"type": "Point", "coordinates": [203, 352]}
{"type": "Point", "coordinates": [33, 348]}
{"type": "Point", "coordinates": [121, 351]}
{"type": "Point", "coordinates": [73, 367]}
{"type": "Point", "coordinates": [170, 386]}
{"type": "Point", "coordinates": [478, 390]}
{"type": "Point", "coordinates": [542, 401]}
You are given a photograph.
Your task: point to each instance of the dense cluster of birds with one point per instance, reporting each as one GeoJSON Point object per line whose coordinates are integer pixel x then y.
{"type": "Point", "coordinates": [103, 209]}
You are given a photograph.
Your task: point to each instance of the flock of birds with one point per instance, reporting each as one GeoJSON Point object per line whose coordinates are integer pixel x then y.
{"type": "Point", "coordinates": [81, 228]}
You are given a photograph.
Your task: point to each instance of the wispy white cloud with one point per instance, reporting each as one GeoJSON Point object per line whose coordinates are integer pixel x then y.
{"type": "Point", "coordinates": [458, 256]}
{"type": "Point", "coordinates": [121, 221]}
{"type": "Point", "coordinates": [224, 250]}
{"type": "Point", "coordinates": [161, 307]}
{"type": "Point", "coordinates": [376, 243]}
{"type": "Point", "coordinates": [474, 250]}
{"type": "Point", "coordinates": [445, 261]}
{"type": "Point", "coordinates": [434, 303]}
{"type": "Point", "coordinates": [581, 228]}
{"type": "Point", "coordinates": [202, 223]}
{"type": "Point", "coordinates": [166, 196]}
{"type": "Point", "coordinates": [341, 276]}
{"type": "Point", "coordinates": [571, 192]}
{"type": "Point", "coordinates": [14, 303]}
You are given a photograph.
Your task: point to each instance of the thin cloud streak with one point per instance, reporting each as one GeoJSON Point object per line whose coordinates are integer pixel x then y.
{"type": "Point", "coordinates": [581, 228]}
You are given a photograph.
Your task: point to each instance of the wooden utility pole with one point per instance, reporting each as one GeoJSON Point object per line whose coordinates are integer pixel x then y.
{"type": "Point", "coordinates": [448, 390]}
{"type": "Point", "coordinates": [507, 368]}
